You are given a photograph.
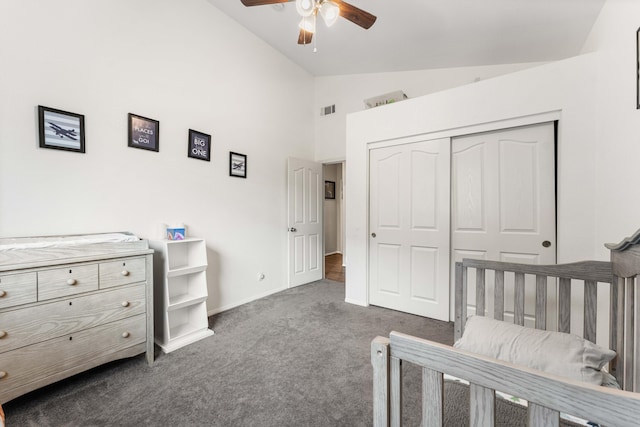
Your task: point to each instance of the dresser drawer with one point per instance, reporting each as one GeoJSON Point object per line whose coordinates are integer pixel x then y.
{"type": "Point", "coordinates": [122, 272]}
{"type": "Point", "coordinates": [19, 328]}
{"type": "Point", "coordinates": [38, 361]}
{"type": "Point", "coordinates": [17, 289]}
{"type": "Point", "coordinates": [70, 280]}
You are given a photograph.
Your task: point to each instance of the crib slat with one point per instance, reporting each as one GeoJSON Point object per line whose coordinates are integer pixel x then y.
{"type": "Point", "coordinates": [616, 329]}
{"type": "Point", "coordinates": [590, 309]}
{"type": "Point", "coordinates": [629, 335]}
{"type": "Point", "coordinates": [539, 416]}
{"type": "Point", "coordinates": [460, 300]}
{"type": "Point", "coordinates": [432, 391]}
{"type": "Point", "coordinates": [541, 302]}
{"type": "Point", "coordinates": [518, 302]}
{"type": "Point", "coordinates": [482, 409]}
{"type": "Point", "coordinates": [395, 368]}
{"type": "Point", "coordinates": [480, 288]}
{"type": "Point", "coordinates": [498, 305]}
{"type": "Point", "coordinates": [564, 305]}
{"type": "Point", "coordinates": [380, 362]}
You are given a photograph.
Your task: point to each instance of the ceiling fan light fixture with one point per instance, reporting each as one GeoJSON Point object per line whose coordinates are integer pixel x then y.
{"type": "Point", "coordinates": [305, 7]}
{"type": "Point", "coordinates": [329, 12]}
{"type": "Point", "coordinates": [308, 24]}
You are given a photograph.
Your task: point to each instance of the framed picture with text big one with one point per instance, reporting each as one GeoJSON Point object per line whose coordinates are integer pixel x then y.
{"type": "Point", "coordinates": [199, 145]}
{"type": "Point", "coordinates": [144, 133]}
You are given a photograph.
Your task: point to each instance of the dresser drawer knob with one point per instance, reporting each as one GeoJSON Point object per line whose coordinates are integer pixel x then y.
{"type": "Point", "coordinates": [2, 374]}
{"type": "Point", "coordinates": [3, 334]}
{"type": "Point", "coordinates": [125, 303]}
{"type": "Point", "coordinates": [71, 282]}
{"type": "Point", "coordinates": [125, 334]}
{"type": "Point", "coordinates": [2, 294]}
{"type": "Point", "coordinates": [125, 272]}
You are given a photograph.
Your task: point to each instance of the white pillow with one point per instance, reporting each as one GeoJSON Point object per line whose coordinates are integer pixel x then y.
{"type": "Point", "coordinates": [557, 353]}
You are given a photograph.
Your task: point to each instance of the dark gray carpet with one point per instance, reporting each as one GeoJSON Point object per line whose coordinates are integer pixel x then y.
{"type": "Point", "coordinates": [297, 358]}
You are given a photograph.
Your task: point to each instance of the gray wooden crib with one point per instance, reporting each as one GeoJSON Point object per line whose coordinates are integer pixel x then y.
{"type": "Point", "coordinates": [547, 394]}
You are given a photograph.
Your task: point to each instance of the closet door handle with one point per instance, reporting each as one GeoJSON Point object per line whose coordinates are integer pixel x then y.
{"type": "Point", "coordinates": [546, 243]}
{"type": "Point", "coordinates": [373, 235]}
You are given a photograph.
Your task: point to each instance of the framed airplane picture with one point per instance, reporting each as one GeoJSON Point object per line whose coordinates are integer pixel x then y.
{"type": "Point", "coordinates": [61, 130]}
{"type": "Point", "coordinates": [237, 165]}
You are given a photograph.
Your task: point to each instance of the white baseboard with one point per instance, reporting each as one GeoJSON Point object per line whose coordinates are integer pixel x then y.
{"type": "Point", "coordinates": [242, 302]}
{"type": "Point", "coordinates": [356, 302]}
{"type": "Point", "coordinates": [333, 253]}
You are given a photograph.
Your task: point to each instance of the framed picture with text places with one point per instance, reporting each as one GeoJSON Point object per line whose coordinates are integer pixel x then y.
{"type": "Point", "coordinates": [199, 145]}
{"type": "Point", "coordinates": [144, 133]}
{"type": "Point", "coordinates": [61, 130]}
{"type": "Point", "coordinates": [237, 165]}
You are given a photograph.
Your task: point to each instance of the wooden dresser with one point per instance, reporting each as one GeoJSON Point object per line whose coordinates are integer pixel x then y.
{"type": "Point", "coordinates": [71, 306]}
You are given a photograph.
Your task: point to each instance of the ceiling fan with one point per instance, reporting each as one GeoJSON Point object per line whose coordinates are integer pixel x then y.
{"type": "Point", "coordinates": [329, 10]}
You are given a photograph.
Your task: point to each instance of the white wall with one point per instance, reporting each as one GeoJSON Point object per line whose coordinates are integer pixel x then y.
{"type": "Point", "coordinates": [348, 93]}
{"type": "Point", "coordinates": [185, 64]}
{"type": "Point", "coordinates": [617, 200]}
{"type": "Point", "coordinates": [565, 89]}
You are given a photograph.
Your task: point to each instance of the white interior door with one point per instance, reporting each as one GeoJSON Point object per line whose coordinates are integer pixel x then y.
{"type": "Point", "coordinates": [409, 228]}
{"type": "Point", "coordinates": [503, 200]}
{"type": "Point", "coordinates": [305, 195]}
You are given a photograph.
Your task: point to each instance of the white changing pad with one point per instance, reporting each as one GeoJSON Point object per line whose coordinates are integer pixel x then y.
{"type": "Point", "coordinates": [9, 244]}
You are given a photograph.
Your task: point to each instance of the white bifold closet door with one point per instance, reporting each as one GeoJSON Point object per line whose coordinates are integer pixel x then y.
{"type": "Point", "coordinates": [409, 228]}
{"type": "Point", "coordinates": [431, 203]}
{"type": "Point", "coordinates": [503, 203]}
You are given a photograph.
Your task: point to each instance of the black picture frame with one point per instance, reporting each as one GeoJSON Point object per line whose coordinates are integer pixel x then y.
{"type": "Point", "coordinates": [199, 146]}
{"type": "Point", "coordinates": [144, 133]}
{"type": "Point", "coordinates": [329, 190]}
{"type": "Point", "coordinates": [237, 165]}
{"type": "Point", "coordinates": [638, 69]}
{"type": "Point", "coordinates": [61, 130]}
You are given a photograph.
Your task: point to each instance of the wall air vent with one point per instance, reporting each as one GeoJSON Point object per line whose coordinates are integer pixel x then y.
{"type": "Point", "coordinates": [329, 109]}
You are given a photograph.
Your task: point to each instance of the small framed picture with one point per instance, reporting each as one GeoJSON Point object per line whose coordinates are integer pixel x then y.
{"type": "Point", "coordinates": [237, 165]}
{"type": "Point", "coordinates": [61, 130]}
{"type": "Point", "coordinates": [329, 190]}
{"type": "Point", "coordinates": [144, 133]}
{"type": "Point", "coordinates": [199, 145]}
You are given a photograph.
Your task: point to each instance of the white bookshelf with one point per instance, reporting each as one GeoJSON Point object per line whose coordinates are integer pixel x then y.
{"type": "Point", "coordinates": [181, 292]}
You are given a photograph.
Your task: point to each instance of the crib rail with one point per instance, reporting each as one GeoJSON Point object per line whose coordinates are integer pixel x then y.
{"type": "Point", "coordinates": [548, 395]}
{"type": "Point", "coordinates": [588, 274]}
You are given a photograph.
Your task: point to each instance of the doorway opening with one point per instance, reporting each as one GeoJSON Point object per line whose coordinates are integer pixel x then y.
{"type": "Point", "coordinates": [333, 206]}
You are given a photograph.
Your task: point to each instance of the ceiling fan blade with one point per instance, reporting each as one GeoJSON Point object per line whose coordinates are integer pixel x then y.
{"type": "Point", "coordinates": [261, 2]}
{"type": "Point", "coordinates": [353, 14]}
{"type": "Point", "coordinates": [304, 37]}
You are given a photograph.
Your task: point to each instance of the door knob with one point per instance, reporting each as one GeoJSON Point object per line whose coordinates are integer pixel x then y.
{"type": "Point", "coordinates": [546, 243]}
{"type": "Point", "coordinates": [293, 229]}
{"type": "Point", "coordinates": [373, 235]}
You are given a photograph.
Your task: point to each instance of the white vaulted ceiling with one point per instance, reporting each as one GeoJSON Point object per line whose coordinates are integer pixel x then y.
{"type": "Point", "coordinates": [426, 34]}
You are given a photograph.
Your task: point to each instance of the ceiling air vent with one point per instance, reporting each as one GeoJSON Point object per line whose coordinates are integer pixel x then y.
{"type": "Point", "coordinates": [329, 109]}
